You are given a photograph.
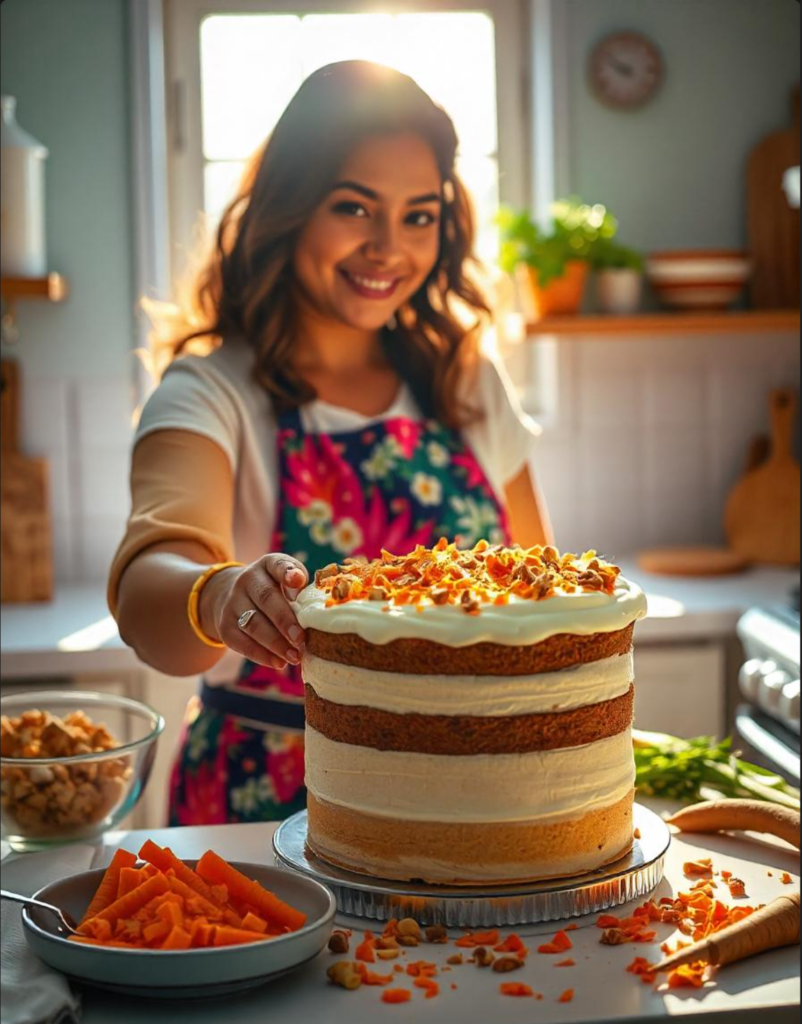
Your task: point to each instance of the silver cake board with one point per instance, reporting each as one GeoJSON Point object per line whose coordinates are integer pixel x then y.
{"type": "Point", "coordinates": [378, 899]}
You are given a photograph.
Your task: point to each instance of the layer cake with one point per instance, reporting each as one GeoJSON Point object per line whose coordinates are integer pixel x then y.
{"type": "Point", "coordinates": [469, 714]}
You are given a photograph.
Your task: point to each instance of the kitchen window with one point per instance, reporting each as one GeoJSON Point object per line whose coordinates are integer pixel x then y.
{"type": "Point", "coordinates": [235, 64]}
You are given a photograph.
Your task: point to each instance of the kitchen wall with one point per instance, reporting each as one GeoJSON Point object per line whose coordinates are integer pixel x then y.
{"type": "Point", "coordinates": [648, 434]}
{"type": "Point", "coordinates": [67, 65]}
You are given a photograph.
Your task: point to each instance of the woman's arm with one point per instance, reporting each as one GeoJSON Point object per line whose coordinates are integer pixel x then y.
{"type": "Point", "coordinates": [526, 507]}
{"type": "Point", "coordinates": [182, 490]}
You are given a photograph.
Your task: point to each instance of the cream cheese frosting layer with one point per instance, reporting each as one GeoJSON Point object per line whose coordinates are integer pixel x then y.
{"type": "Point", "coordinates": [542, 786]}
{"type": "Point", "coordinates": [478, 696]}
{"type": "Point", "coordinates": [519, 623]}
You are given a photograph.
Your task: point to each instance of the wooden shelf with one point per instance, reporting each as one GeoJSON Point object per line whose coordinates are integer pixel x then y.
{"type": "Point", "coordinates": [53, 287]}
{"type": "Point", "coordinates": [740, 321]}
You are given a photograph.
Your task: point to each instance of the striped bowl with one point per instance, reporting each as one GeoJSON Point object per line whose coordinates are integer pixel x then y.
{"type": "Point", "coordinates": [698, 279]}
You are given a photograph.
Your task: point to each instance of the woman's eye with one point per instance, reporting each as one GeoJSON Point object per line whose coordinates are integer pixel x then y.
{"type": "Point", "coordinates": [351, 209]}
{"type": "Point", "coordinates": [421, 219]}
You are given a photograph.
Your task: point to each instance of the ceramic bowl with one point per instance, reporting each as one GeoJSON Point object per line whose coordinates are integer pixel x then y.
{"type": "Point", "coordinates": [182, 974]}
{"type": "Point", "coordinates": [705, 279]}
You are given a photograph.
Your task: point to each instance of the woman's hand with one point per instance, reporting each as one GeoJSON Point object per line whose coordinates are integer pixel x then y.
{"type": "Point", "coordinates": [269, 636]}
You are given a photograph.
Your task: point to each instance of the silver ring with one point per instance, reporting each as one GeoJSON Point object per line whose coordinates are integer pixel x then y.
{"type": "Point", "coordinates": [245, 618]}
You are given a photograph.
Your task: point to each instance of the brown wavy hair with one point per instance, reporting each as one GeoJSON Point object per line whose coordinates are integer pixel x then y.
{"type": "Point", "coordinates": [245, 286]}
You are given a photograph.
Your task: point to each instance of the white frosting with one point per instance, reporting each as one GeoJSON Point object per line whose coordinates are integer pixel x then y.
{"type": "Point", "coordinates": [542, 786]}
{"type": "Point", "coordinates": [519, 623]}
{"type": "Point", "coordinates": [481, 696]}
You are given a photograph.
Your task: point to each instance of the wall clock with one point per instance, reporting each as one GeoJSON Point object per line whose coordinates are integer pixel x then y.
{"type": "Point", "coordinates": [625, 70]}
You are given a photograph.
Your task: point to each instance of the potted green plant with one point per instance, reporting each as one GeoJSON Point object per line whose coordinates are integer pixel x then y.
{"type": "Point", "coordinates": [618, 276]}
{"type": "Point", "coordinates": [556, 259]}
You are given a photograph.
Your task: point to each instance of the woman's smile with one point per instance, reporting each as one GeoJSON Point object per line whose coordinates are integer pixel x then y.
{"type": "Point", "coordinates": [370, 286]}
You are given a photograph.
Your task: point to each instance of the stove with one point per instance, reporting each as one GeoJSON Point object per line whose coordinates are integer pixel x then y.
{"type": "Point", "coordinates": [767, 721]}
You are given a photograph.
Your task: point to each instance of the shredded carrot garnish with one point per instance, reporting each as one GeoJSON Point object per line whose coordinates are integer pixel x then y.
{"type": "Point", "coordinates": [396, 995]}
{"type": "Point", "coordinates": [566, 963]}
{"type": "Point", "coordinates": [567, 996]}
{"type": "Point", "coordinates": [698, 867]}
{"type": "Point", "coordinates": [474, 939]}
{"type": "Point", "coordinates": [559, 944]}
{"type": "Point", "coordinates": [786, 879]}
{"type": "Point", "coordinates": [431, 987]}
{"type": "Point", "coordinates": [515, 988]}
{"type": "Point", "coordinates": [512, 944]}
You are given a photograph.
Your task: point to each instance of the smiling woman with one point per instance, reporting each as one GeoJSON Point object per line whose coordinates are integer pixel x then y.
{"type": "Point", "coordinates": [330, 400]}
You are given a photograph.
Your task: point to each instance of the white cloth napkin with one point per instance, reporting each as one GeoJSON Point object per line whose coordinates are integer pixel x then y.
{"type": "Point", "coordinates": [30, 991]}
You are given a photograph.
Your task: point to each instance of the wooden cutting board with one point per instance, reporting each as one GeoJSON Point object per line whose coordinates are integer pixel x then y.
{"type": "Point", "coordinates": [773, 226]}
{"type": "Point", "coordinates": [691, 561]}
{"type": "Point", "coordinates": [762, 516]}
{"type": "Point", "coordinates": [26, 557]}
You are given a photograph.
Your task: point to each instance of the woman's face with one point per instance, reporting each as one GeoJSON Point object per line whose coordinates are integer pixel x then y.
{"type": "Point", "coordinates": [374, 240]}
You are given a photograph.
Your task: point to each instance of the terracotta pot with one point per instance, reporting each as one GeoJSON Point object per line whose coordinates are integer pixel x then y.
{"type": "Point", "coordinates": [562, 294]}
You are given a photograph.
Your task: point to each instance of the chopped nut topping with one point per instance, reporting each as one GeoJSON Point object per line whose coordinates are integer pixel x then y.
{"type": "Point", "coordinates": [457, 958]}
{"type": "Point", "coordinates": [436, 933]}
{"type": "Point", "coordinates": [485, 575]}
{"type": "Point", "coordinates": [408, 926]}
{"type": "Point", "coordinates": [614, 937]}
{"type": "Point", "coordinates": [507, 963]}
{"type": "Point", "coordinates": [345, 974]}
{"type": "Point", "coordinates": [338, 943]}
{"type": "Point", "coordinates": [483, 956]}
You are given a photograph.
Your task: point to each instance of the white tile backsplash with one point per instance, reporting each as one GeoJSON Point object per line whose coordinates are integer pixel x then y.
{"type": "Point", "coordinates": [657, 436]}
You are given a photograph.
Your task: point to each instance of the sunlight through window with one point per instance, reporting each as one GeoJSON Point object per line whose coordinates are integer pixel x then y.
{"type": "Point", "coordinates": [251, 65]}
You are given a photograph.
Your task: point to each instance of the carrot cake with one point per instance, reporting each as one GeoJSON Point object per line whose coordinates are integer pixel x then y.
{"type": "Point", "coordinates": [469, 713]}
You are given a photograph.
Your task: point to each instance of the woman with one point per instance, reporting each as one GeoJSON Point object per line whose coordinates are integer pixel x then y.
{"type": "Point", "coordinates": [341, 406]}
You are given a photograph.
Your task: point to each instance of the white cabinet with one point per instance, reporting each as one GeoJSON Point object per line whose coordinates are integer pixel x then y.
{"type": "Point", "coordinates": [680, 689]}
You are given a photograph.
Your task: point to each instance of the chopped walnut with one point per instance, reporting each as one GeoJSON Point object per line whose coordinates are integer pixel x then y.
{"type": "Point", "coordinates": [507, 963]}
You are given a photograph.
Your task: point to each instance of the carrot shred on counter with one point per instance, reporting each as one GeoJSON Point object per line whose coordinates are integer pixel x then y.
{"type": "Point", "coordinates": [512, 944]}
{"type": "Point", "coordinates": [566, 963]}
{"type": "Point", "coordinates": [473, 939]}
{"type": "Point", "coordinates": [786, 879]}
{"type": "Point", "coordinates": [698, 867]}
{"type": "Point", "coordinates": [515, 988]}
{"type": "Point", "coordinates": [567, 996]}
{"type": "Point", "coordinates": [396, 995]}
{"type": "Point", "coordinates": [430, 987]}
{"type": "Point", "coordinates": [559, 944]}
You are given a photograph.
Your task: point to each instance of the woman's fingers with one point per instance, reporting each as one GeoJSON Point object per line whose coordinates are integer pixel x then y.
{"type": "Point", "coordinates": [288, 572]}
{"type": "Point", "coordinates": [275, 624]}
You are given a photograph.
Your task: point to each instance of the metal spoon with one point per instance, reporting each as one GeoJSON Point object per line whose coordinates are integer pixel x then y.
{"type": "Point", "coordinates": [67, 923]}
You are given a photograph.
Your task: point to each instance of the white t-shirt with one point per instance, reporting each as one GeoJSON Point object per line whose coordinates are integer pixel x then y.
{"type": "Point", "coordinates": [218, 397]}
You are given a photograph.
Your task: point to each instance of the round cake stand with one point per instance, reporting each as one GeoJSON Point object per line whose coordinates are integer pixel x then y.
{"type": "Point", "coordinates": [633, 876]}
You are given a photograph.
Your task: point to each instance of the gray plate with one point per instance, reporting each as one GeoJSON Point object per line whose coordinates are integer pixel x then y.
{"type": "Point", "coordinates": [633, 876]}
{"type": "Point", "coordinates": [182, 974]}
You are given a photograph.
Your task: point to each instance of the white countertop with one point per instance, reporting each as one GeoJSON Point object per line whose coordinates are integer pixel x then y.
{"type": "Point", "coordinates": [75, 634]}
{"type": "Point", "coordinates": [764, 989]}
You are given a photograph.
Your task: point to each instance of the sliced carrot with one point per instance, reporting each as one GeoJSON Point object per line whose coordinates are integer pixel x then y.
{"type": "Point", "coordinates": [215, 871]}
{"type": "Point", "coordinates": [566, 963]}
{"type": "Point", "coordinates": [515, 988]}
{"type": "Point", "coordinates": [156, 931]}
{"type": "Point", "coordinates": [99, 928]}
{"type": "Point", "coordinates": [567, 996]}
{"type": "Point", "coordinates": [396, 995]}
{"type": "Point", "coordinates": [224, 935]}
{"type": "Point", "coordinates": [164, 859]}
{"type": "Point", "coordinates": [177, 939]}
{"type": "Point", "coordinates": [252, 923]}
{"type": "Point", "coordinates": [127, 905]}
{"type": "Point", "coordinates": [106, 892]}
{"type": "Point", "coordinates": [371, 977]}
{"type": "Point", "coordinates": [608, 921]}
{"type": "Point", "coordinates": [171, 913]}
{"type": "Point", "coordinates": [786, 879]}
{"type": "Point", "coordinates": [364, 952]}
{"type": "Point", "coordinates": [129, 879]}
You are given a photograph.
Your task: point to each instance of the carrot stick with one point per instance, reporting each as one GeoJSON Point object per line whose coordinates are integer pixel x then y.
{"type": "Point", "coordinates": [224, 936]}
{"type": "Point", "coordinates": [214, 870]}
{"type": "Point", "coordinates": [177, 939]}
{"type": "Point", "coordinates": [106, 892]}
{"type": "Point", "coordinates": [741, 816]}
{"type": "Point", "coordinates": [164, 859]}
{"type": "Point", "coordinates": [130, 878]}
{"type": "Point", "coordinates": [771, 927]}
{"type": "Point", "coordinates": [205, 907]}
{"type": "Point", "coordinates": [128, 905]}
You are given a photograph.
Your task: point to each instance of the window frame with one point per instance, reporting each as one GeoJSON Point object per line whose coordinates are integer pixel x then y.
{"type": "Point", "coordinates": [183, 20]}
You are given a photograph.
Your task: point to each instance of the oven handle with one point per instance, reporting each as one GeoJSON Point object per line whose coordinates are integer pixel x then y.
{"type": "Point", "coordinates": [764, 743]}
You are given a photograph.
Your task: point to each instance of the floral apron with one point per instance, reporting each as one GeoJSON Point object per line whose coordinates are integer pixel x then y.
{"type": "Point", "coordinates": [394, 484]}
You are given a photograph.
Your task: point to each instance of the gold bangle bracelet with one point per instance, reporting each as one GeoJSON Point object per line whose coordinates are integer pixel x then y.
{"type": "Point", "coordinates": [194, 600]}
